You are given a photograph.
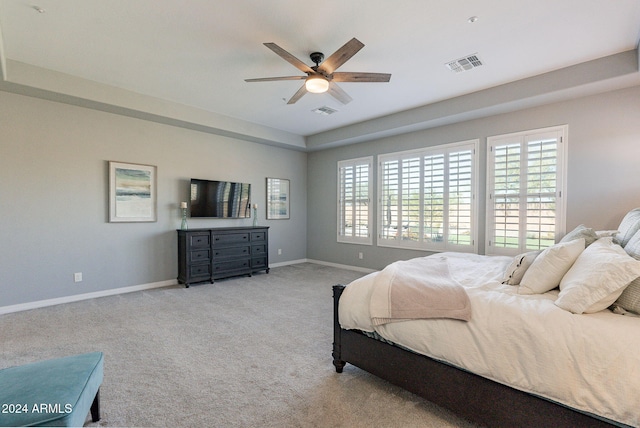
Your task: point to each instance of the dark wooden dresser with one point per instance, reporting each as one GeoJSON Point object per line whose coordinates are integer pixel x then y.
{"type": "Point", "coordinates": [208, 254]}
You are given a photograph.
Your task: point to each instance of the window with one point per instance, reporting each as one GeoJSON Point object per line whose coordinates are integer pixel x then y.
{"type": "Point", "coordinates": [525, 193]}
{"type": "Point", "coordinates": [427, 198]}
{"type": "Point", "coordinates": [354, 200]}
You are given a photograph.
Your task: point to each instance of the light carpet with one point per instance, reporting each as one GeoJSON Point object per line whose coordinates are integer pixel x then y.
{"type": "Point", "coordinates": [242, 352]}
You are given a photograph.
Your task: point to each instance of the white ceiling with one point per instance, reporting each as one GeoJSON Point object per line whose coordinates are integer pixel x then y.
{"type": "Point", "coordinates": [197, 53]}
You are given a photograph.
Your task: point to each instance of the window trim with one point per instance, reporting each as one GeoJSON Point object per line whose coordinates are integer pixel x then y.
{"type": "Point", "coordinates": [561, 184]}
{"type": "Point", "coordinates": [341, 238]}
{"type": "Point", "coordinates": [445, 149]}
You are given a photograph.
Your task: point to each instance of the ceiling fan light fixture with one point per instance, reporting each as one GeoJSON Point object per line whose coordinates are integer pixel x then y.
{"type": "Point", "coordinates": [316, 84]}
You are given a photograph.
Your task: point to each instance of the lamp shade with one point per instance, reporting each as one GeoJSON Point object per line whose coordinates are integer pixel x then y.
{"type": "Point", "coordinates": [316, 84]}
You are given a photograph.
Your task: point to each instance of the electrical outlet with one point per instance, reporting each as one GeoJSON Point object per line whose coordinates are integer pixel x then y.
{"type": "Point", "coordinates": [279, 251]}
{"type": "Point", "coordinates": [360, 256]}
{"type": "Point", "coordinates": [77, 277]}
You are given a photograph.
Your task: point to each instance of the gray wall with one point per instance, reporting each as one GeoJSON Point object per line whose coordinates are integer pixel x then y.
{"type": "Point", "coordinates": [603, 172]}
{"type": "Point", "coordinates": [54, 206]}
{"type": "Point", "coordinates": [53, 188]}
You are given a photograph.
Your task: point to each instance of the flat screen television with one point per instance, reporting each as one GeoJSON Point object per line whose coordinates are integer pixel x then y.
{"type": "Point", "coordinates": [220, 199]}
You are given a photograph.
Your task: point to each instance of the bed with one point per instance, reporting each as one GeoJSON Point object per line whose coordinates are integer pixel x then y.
{"type": "Point", "coordinates": [526, 355]}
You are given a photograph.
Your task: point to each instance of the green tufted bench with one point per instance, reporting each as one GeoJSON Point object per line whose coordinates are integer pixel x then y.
{"type": "Point", "coordinates": [57, 392]}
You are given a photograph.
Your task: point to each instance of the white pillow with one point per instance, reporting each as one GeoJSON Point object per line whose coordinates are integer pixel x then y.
{"type": "Point", "coordinates": [597, 278]}
{"type": "Point", "coordinates": [549, 267]}
{"type": "Point", "coordinates": [514, 273]}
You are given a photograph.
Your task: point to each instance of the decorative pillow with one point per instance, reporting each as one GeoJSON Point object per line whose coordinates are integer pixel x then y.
{"type": "Point", "coordinates": [633, 246]}
{"type": "Point", "coordinates": [549, 267]}
{"type": "Point", "coordinates": [628, 227]}
{"type": "Point", "coordinates": [581, 231]}
{"type": "Point", "coordinates": [597, 278]}
{"type": "Point", "coordinates": [514, 273]}
{"type": "Point", "coordinates": [630, 297]}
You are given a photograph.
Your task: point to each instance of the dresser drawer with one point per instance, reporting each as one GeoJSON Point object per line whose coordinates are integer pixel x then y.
{"type": "Point", "coordinates": [257, 250]}
{"type": "Point", "coordinates": [229, 238]}
{"type": "Point", "coordinates": [258, 236]}
{"type": "Point", "coordinates": [231, 252]}
{"type": "Point", "coordinates": [230, 265]}
{"type": "Point", "coordinates": [199, 240]}
{"type": "Point", "coordinates": [200, 255]}
{"type": "Point", "coordinates": [197, 270]}
{"type": "Point", "coordinates": [258, 262]}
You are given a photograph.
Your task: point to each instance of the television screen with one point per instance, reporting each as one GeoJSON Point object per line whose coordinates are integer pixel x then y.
{"type": "Point", "coordinates": [220, 199]}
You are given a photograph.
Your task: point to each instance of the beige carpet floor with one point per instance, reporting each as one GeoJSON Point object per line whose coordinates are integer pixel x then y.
{"type": "Point", "coordinates": [243, 352]}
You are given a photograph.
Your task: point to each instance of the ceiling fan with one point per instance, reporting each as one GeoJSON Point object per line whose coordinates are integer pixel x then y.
{"type": "Point", "coordinates": [322, 77]}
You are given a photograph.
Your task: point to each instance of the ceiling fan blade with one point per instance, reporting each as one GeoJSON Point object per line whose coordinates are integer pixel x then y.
{"type": "Point", "coordinates": [360, 77]}
{"type": "Point", "coordinates": [298, 95]}
{"type": "Point", "coordinates": [273, 79]}
{"type": "Point", "coordinates": [341, 56]}
{"type": "Point", "coordinates": [339, 94]}
{"type": "Point", "coordinates": [289, 58]}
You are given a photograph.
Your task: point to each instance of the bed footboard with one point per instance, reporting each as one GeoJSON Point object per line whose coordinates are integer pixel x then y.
{"type": "Point", "coordinates": [466, 394]}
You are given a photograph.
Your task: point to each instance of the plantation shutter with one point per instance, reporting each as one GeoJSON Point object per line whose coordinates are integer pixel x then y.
{"type": "Point", "coordinates": [460, 198]}
{"type": "Point", "coordinates": [525, 205]}
{"type": "Point", "coordinates": [354, 190]}
{"type": "Point", "coordinates": [427, 198]}
{"type": "Point", "coordinates": [506, 195]}
{"type": "Point", "coordinates": [434, 198]}
{"type": "Point", "coordinates": [409, 203]}
{"type": "Point", "coordinates": [389, 201]}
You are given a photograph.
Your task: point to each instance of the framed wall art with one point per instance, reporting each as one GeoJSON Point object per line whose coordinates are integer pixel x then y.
{"type": "Point", "coordinates": [132, 192]}
{"type": "Point", "coordinates": [277, 199]}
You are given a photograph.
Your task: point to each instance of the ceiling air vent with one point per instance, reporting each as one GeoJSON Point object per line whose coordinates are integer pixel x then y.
{"type": "Point", "coordinates": [464, 64]}
{"type": "Point", "coordinates": [325, 111]}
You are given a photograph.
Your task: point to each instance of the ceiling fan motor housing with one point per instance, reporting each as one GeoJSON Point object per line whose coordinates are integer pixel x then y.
{"type": "Point", "coordinates": [316, 57]}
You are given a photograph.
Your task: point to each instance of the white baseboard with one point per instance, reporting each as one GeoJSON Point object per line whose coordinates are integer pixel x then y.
{"type": "Point", "coordinates": [85, 296]}
{"type": "Point", "coordinates": [290, 262]}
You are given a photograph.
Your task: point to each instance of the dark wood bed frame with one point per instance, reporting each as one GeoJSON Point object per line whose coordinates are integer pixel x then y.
{"type": "Point", "coordinates": [468, 395]}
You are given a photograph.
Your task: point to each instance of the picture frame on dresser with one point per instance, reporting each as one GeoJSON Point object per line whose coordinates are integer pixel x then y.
{"type": "Point", "coordinates": [132, 192]}
{"type": "Point", "coordinates": [278, 199]}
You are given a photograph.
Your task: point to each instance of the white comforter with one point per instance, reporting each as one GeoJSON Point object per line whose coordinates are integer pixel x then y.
{"type": "Point", "coordinates": [588, 362]}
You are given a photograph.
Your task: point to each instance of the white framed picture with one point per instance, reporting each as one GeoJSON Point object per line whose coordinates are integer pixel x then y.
{"type": "Point", "coordinates": [132, 192]}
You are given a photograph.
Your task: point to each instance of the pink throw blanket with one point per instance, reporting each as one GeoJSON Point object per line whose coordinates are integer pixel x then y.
{"type": "Point", "coordinates": [418, 289]}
